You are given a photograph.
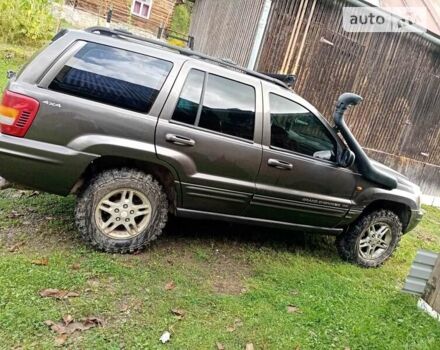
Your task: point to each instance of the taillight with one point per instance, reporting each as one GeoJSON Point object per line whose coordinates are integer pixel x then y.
{"type": "Point", "coordinates": [17, 112]}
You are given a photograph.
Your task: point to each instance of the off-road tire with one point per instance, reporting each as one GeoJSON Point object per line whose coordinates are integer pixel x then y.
{"type": "Point", "coordinates": [347, 243]}
{"type": "Point", "coordinates": [110, 180]}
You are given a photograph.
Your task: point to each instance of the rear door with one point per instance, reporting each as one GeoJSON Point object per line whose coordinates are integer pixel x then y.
{"type": "Point", "coordinates": [299, 181]}
{"type": "Point", "coordinates": [210, 132]}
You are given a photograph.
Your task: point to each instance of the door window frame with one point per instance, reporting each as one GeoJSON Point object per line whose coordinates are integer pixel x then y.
{"type": "Point", "coordinates": [267, 126]}
{"type": "Point", "coordinates": [174, 96]}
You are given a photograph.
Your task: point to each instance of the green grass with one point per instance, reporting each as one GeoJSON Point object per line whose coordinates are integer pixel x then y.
{"type": "Point", "coordinates": [12, 58]}
{"type": "Point", "coordinates": [222, 273]}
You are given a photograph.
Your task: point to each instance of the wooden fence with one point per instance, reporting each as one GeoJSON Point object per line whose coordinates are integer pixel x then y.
{"type": "Point", "coordinates": [398, 75]}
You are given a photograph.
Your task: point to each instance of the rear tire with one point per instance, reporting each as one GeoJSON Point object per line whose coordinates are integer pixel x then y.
{"type": "Point", "coordinates": [371, 240]}
{"type": "Point", "coordinates": [121, 210]}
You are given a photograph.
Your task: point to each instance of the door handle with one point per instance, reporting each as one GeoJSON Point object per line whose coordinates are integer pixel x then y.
{"type": "Point", "coordinates": [180, 140]}
{"type": "Point", "coordinates": [280, 164]}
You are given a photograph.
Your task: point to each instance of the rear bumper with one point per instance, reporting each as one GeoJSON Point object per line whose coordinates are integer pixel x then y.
{"type": "Point", "coordinates": [416, 217]}
{"type": "Point", "coordinates": [39, 165]}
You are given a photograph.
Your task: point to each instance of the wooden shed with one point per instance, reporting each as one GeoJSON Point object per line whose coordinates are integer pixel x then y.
{"type": "Point", "coordinates": [397, 74]}
{"type": "Point", "coordinates": [148, 15]}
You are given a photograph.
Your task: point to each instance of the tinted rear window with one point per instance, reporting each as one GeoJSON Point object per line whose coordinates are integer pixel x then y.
{"type": "Point", "coordinates": [113, 76]}
{"type": "Point", "coordinates": [188, 105]}
{"type": "Point", "coordinates": [228, 107]}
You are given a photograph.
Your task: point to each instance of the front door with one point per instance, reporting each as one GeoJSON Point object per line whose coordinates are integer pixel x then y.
{"type": "Point", "coordinates": [299, 181]}
{"type": "Point", "coordinates": [210, 132]}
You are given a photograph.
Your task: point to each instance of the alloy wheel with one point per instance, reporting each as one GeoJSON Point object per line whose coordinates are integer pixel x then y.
{"type": "Point", "coordinates": [123, 213]}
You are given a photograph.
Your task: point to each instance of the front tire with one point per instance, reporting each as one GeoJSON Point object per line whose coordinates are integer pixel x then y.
{"type": "Point", "coordinates": [371, 240]}
{"type": "Point", "coordinates": [121, 211]}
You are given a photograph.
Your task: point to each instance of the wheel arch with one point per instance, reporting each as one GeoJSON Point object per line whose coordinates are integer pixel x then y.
{"type": "Point", "coordinates": [402, 210]}
{"type": "Point", "coordinates": [163, 173]}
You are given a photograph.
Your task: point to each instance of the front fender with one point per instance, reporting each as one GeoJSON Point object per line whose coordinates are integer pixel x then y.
{"type": "Point", "coordinates": [397, 195]}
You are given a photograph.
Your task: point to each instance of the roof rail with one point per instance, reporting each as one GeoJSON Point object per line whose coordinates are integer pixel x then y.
{"type": "Point", "coordinates": [225, 63]}
{"type": "Point", "coordinates": [288, 79]}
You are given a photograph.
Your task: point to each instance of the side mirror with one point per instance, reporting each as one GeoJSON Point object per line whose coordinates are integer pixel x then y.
{"type": "Point", "coordinates": [346, 158]}
{"type": "Point", "coordinates": [326, 155]}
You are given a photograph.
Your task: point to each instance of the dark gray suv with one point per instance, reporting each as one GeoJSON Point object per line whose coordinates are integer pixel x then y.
{"type": "Point", "coordinates": [139, 129]}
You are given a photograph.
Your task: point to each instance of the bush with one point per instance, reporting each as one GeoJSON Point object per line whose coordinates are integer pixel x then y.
{"type": "Point", "coordinates": [28, 22]}
{"type": "Point", "coordinates": [180, 23]}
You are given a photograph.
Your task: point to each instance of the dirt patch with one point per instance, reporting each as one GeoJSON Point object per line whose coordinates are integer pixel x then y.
{"type": "Point", "coordinates": [228, 271]}
{"type": "Point", "coordinates": [220, 266]}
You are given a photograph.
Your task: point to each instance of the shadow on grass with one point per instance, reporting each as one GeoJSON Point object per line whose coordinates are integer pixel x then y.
{"type": "Point", "coordinates": [53, 218]}
{"type": "Point", "coordinates": [245, 235]}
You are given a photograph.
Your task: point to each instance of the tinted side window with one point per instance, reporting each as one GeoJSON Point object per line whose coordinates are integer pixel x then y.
{"type": "Point", "coordinates": [228, 107]}
{"type": "Point", "coordinates": [113, 76]}
{"type": "Point", "coordinates": [188, 104]}
{"type": "Point", "coordinates": [294, 128]}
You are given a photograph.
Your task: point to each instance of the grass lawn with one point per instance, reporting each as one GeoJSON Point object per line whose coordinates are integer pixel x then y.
{"type": "Point", "coordinates": [233, 284]}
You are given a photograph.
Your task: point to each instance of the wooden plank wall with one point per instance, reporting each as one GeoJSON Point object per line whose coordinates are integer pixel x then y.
{"type": "Point", "coordinates": [161, 12]}
{"type": "Point", "coordinates": [226, 28]}
{"type": "Point", "coordinates": [397, 74]}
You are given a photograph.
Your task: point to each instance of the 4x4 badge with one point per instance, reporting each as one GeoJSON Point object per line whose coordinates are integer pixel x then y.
{"type": "Point", "coordinates": [52, 104]}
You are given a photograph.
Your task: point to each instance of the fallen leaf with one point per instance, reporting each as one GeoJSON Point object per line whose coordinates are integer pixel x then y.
{"type": "Point", "coordinates": [75, 266]}
{"type": "Point", "coordinates": [14, 214]}
{"type": "Point", "coordinates": [60, 340]}
{"type": "Point", "coordinates": [249, 346]}
{"type": "Point", "coordinates": [67, 319]}
{"type": "Point", "coordinates": [93, 282]}
{"type": "Point", "coordinates": [165, 337]}
{"type": "Point", "coordinates": [230, 328]}
{"type": "Point", "coordinates": [170, 285]}
{"type": "Point", "coordinates": [15, 247]}
{"type": "Point", "coordinates": [40, 262]}
{"type": "Point", "coordinates": [48, 218]}
{"type": "Point", "coordinates": [178, 313]}
{"type": "Point", "coordinates": [58, 294]}
{"type": "Point", "coordinates": [83, 325]}
{"type": "Point", "coordinates": [237, 323]}
{"type": "Point", "coordinates": [124, 308]}
{"type": "Point", "coordinates": [96, 321]}
{"type": "Point", "coordinates": [220, 346]}
{"type": "Point", "coordinates": [292, 309]}
{"type": "Point", "coordinates": [56, 327]}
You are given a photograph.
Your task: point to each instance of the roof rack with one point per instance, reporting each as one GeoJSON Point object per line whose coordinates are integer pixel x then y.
{"type": "Point", "coordinates": [225, 63]}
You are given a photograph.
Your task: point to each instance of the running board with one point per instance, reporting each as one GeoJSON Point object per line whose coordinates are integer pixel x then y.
{"type": "Point", "coordinates": [195, 214]}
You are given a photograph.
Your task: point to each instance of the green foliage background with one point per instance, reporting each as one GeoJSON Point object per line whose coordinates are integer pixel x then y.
{"type": "Point", "coordinates": [26, 22]}
{"type": "Point", "coordinates": [180, 22]}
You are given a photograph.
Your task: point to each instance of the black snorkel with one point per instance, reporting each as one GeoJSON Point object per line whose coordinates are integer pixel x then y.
{"type": "Point", "coordinates": [366, 168]}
